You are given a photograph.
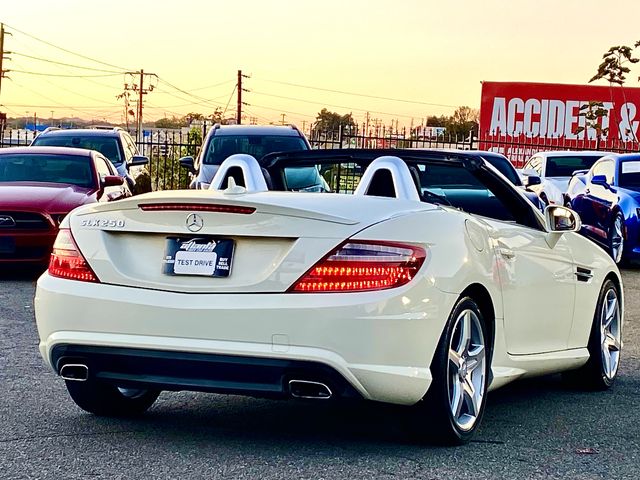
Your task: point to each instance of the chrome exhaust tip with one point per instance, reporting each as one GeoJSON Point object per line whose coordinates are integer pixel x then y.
{"type": "Point", "coordinates": [75, 372]}
{"type": "Point", "coordinates": [309, 389]}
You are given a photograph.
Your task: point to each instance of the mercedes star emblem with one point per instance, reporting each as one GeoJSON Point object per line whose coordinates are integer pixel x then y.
{"type": "Point", "coordinates": [195, 222]}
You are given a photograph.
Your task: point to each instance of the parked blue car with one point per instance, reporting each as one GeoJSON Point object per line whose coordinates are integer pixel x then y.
{"type": "Point", "coordinates": [607, 197]}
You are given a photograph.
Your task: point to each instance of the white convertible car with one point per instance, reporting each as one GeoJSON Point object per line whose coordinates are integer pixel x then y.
{"type": "Point", "coordinates": [433, 283]}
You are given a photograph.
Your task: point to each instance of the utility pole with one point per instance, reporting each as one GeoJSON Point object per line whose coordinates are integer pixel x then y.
{"type": "Point", "coordinates": [240, 102]}
{"type": "Point", "coordinates": [2, 54]}
{"type": "Point", "coordinates": [283, 115]}
{"type": "Point", "coordinates": [140, 90]}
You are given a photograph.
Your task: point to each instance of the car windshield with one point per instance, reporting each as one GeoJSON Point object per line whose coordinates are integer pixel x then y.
{"type": "Point", "coordinates": [108, 146]}
{"type": "Point", "coordinates": [565, 166]}
{"type": "Point", "coordinates": [257, 146]}
{"type": "Point", "coordinates": [505, 168]}
{"type": "Point", "coordinates": [630, 175]}
{"type": "Point", "coordinates": [67, 169]}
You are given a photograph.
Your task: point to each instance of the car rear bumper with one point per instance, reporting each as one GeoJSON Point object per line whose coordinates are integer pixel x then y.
{"type": "Point", "coordinates": [206, 372]}
{"type": "Point", "coordinates": [380, 343]}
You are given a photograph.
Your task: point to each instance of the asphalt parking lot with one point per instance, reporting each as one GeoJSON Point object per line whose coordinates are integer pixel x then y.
{"type": "Point", "coordinates": [532, 429]}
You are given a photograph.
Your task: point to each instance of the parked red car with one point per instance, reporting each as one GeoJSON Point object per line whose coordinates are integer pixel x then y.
{"type": "Point", "coordinates": [39, 186]}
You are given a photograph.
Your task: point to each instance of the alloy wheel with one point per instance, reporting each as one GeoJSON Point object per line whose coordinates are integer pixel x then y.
{"type": "Point", "coordinates": [617, 239]}
{"type": "Point", "coordinates": [610, 334]}
{"type": "Point", "coordinates": [466, 370]}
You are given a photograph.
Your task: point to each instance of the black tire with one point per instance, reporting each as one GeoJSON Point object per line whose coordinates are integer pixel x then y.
{"type": "Point", "coordinates": [593, 376]}
{"type": "Point", "coordinates": [107, 400]}
{"type": "Point", "coordinates": [432, 419]}
{"type": "Point", "coordinates": [617, 254]}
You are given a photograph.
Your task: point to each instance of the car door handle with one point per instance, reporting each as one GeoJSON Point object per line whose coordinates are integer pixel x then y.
{"type": "Point", "coordinates": [507, 253]}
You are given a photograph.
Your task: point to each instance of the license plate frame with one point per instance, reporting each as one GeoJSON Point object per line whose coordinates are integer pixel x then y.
{"type": "Point", "coordinates": [198, 256]}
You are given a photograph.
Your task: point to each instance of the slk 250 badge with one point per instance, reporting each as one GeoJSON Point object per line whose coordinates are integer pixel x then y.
{"type": "Point", "coordinates": [102, 223]}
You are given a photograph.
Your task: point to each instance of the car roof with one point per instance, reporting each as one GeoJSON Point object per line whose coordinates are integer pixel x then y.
{"type": "Point", "coordinates": [77, 152]}
{"type": "Point", "coordinates": [283, 130]}
{"type": "Point", "coordinates": [622, 157]}
{"type": "Point", "coordinates": [571, 153]}
{"type": "Point", "coordinates": [75, 132]}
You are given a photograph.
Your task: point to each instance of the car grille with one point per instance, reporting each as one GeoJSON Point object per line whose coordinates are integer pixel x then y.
{"type": "Point", "coordinates": [23, 221]}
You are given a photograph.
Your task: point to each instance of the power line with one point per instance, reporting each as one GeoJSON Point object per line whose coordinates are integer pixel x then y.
{"type": "Point", "coordinates": [186, 92]}
{"type": "Point", "coordinates": [66, 50]}
{"type": "Point", "coordinates": [229, 101]}
{"type": "Point", "coordinates": [336, 106]}
{"type": "Point", "coordinates": [47, 74]}
{"type": "Point", "coordinates": [282, 110]}
{"type": "Point", "coordinates": [64, 64]}
{"type": "Point", "coordinates": [212, 86]}
{"type": "Point", "coordinates": [206, 103]}
{"type": "Point", "coordinates": [58, 105]}
{"type": "Point", "coordinates": [417, 102]}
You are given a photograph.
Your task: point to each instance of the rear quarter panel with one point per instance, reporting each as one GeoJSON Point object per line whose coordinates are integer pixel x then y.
{"type": "Point", "coordinates": [458, 249]}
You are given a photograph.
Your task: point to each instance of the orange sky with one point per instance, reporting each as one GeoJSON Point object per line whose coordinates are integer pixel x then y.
{"type": "Point", "coordinates": [432, 55]}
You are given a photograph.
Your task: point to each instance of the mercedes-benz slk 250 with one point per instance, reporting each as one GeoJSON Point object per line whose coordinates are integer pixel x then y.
{"type": "Point", "coordinates": [434, 282]}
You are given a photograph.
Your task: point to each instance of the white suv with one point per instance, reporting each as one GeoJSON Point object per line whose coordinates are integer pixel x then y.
{"type": "Point", "coordinates": [225, 140]}
{"type": "Point", "coordinates": [555, 169]}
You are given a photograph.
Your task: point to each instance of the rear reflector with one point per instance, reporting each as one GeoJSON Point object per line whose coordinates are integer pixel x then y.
{"type": "Point", "coordinates": [199, 207]}
{"type": "Point", "coordinates": [67, 261]}
{"type": "Point", "coordinates": [363, 266]}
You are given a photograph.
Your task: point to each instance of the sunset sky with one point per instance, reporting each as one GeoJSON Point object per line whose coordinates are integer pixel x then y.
{"type": "Point", "coordinates": [425, 57]}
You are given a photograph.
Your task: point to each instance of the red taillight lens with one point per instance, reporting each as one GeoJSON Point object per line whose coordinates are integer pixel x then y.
{"type": "Point", "coordinates": [363, 266]}
{"type": "Point", "coordinates": [67, 261]}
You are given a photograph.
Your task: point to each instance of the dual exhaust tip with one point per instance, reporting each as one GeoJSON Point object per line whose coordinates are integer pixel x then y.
{"type": "Point", "coordinates": [306, 389]}
{"type": "Point", "coordinates": [309, 390]}
{"type": "Point", "coordinates": [75, 372]}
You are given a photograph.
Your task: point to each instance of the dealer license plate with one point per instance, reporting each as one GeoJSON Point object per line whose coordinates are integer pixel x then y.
{"type": "Point", "coordinates": [206, 256]}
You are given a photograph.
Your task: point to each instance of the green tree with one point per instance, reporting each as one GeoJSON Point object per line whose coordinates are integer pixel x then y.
{"type": "Point", "coordinates": [463, 121]}
{"type": "Point", "coordinates": [332, 121]}
{"type": "Point", "coordinates": [614, 69]}
{"type": "Point", "coordinates": [173, 122]}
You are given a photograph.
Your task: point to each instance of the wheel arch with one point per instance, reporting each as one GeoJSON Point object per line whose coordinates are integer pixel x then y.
{"type": "Point", "coordinates": [482, 297]}
{"type": "Point", "coordinates": [615, 278]}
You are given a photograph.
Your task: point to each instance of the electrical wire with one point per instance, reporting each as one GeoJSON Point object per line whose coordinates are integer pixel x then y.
{"type": "Point", "coordinates": [212, 86]}
{"type": "Point", "coordinates": [64, 49]}
{"type": "Point", "coordinates": [64, 64]}
{"type": "Point", "coordinates": [229, 101]}
{"type": "Point", "coordinates": [417, 102]}
{"type": "Point", "coordinates": [46, 74]}
{"type": "Point", "coordinates": [336, 106]}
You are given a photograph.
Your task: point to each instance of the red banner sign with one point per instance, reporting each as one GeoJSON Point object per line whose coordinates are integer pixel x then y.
{"type": "Point", "coordinates": [538, 115]}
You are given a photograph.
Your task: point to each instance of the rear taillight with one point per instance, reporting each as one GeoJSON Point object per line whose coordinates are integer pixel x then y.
{"type": "Point", "coordinates": [67, 261]}
{"type": "Point", "coordinates": [363, 266]}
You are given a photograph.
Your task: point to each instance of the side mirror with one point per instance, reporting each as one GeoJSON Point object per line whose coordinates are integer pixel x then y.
{"type": "Point", "coordinates": [138, 160]}
{"type": "Point", "coordinates": [531, 180]}
{"type": "Point", "coordinates": [528, 172]}
{"type": "Point", "coordinates": [560, 219]}
{"type": "Point", "coordinates": [188, 163]}
{"type": "Point", "coordinates": [599, 180]}
{"type": "Point", "coordinates": [111, 181]}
